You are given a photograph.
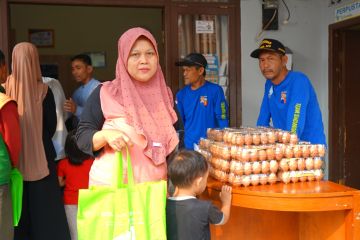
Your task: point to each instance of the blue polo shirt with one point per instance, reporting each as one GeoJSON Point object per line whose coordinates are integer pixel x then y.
{"type": "Point", "coordinates": [293, 106]}
{"type": "Point", "coordinates": [82, 93]}
{"type": "Point", "coordinates": [201, 109]}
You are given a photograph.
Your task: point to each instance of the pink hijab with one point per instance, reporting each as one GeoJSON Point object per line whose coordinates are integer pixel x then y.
{"type": "Point", "coordinates": [25, 86]}
{"type": "Point", "coordinates": [149, 107]}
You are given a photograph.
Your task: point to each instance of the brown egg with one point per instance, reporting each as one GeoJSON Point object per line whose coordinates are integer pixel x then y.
{"type": "Point", "coordinates": [289, 153]}
{"type": "Point", "coordinates": [245, 155]}
{"type": "Point", "coordinates": [256, 167]}
{"type": "Point", "coordinates": [301, 164]}
{"type": "Point", "coordinates": [309, 163]}
{"type": "Point", "coordinates": [239, 154]}
{"type": "Point", "coordinates": [305, 151]}
{"type": "Point", "coordinates": [239, 168]}
{"type": "Point", "coordinates": [237, 181]}
{"type": "Point", "coordinates": [286, 137]}
{"type": "Point", "coordinates": [255, 180]}
{"type": "Point", "coordinates": [297, 151]}
{"type": "Point", "coordinates": [302, 177]}
{"type": "Point", "coordinates": [240, 140]}
{"type": "Point", "coordinates": [202, 143]}
{"type": "Point", "coordinates": [319, 174]}
{"type": "Point", "coordinates": [225, 165]}
{"type": "Point", "coordinates": [293, 139]}
{"type": "Point", "coordinates": [272, 178]}
{"type": "Point", "coordinates": [292, 164]}
{"type": "Point", "coordinates": [226, 136]}
{"type": "Point", "coordinates": [264, 138]}
{"type": "Point", "coordinates": [317, 163]}
{"type": "Point", "coordinates": [215, 161]}
{"type": "Point", "coordinates": [274, 166]}
{"type": "Point", "coordinates": [248, 139]}
{"type": "Point", "coordinates": [219, 136]}
{"type": "Point", "coordinates": [223, 176]}
{"type": "Point", "coordinates": [271, 137]}
{"type": "Point", "coordinates": [321, 150]}
{"type": "Point", "coordinates": [280, 136]}
{"type": "Point", "coordinates": [313, 151]}
{"type": "Point", "coordinates": [256, 139]}
{"type": "Point", "coordinates": [262, 155]}
{"type": "Point", "coordinates": [294, 177]}
{"type": "Point", "coordinates": [285, 177]}
{"type": "Point", "coordinates": [211, 171]}
{"type": "Point", "coordinates": [284, 166]}
{"type": "Point", "coordinates": [233, 139]}
{"type": "Point", "coordinates": [270, 153]}
{"type": "Point", "coordinates": [265, 167]}
{"type": "Point", "coordinates": [232, 166]}
{"type": "Point", "coordinates": [278, 153]}
{"type": "Point", "coordinates": [254, 155]}
{"type": "Point", "coordinates": [247, 168]}
{"type": "Point", "coordinates": [263, 179]}
{"type": "Point", "coordinates": [245, 180]}
{"type": "Point", "coordinates": [231, 178]}
{"type": "Point", "coordinates": [225, 153]}
{"type": "Point", "coordinates": [233, 151]}
{"type": "Point", "coordinates": [311, 177]}
{"type": "Point", "coordinates": [282, 147]}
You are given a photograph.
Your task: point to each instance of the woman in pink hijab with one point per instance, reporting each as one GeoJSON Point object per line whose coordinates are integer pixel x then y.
{"type": "Point", "coordinates": [136, 110]}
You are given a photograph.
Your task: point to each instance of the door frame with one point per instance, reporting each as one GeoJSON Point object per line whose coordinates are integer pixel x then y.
{"type": "Point", "coordinates": [234, 61]}
{"type": "Point", "coordinates": [337, 126]}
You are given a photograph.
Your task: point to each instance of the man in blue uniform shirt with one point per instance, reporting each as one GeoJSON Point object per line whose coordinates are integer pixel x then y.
{"type": "Point", "coordinates": [289, 101]}
{"type": "Point", "coordinates": [201, 104]}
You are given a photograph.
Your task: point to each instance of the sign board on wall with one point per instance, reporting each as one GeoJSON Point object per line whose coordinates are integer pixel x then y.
{"type": "Point", "coordinates": [347, 11]}
{"type": "Point", "coordinates": [204, 26]}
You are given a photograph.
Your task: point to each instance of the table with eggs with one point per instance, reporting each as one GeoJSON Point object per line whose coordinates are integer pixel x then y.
{"type": "Point", "coordinates": [278, 191]}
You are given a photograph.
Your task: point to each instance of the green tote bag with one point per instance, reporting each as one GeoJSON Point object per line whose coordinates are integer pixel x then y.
{"type": "Point", "coordinates": [122, 211]}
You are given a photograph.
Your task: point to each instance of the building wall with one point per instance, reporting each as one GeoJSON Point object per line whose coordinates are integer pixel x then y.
{"type": "Point", "coordinates": [84, 29]}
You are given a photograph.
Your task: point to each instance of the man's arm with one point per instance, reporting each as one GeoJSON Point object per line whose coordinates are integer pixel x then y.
{"type": "Point", "coordinates": [264, 114]}
{"type": "Point", "coordinates": [296, 114]}
{"type": "Point", "coordinates": [221, 109]}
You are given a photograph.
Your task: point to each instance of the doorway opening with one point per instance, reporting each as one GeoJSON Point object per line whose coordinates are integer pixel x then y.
{"type": "Point", "coordinates": [344, 98]}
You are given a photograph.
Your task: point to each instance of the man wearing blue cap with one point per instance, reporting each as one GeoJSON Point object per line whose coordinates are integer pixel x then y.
{"type": "Point", "coordinates": [201, 104]}
{"type": "Point", "coordinates": [289, 101]}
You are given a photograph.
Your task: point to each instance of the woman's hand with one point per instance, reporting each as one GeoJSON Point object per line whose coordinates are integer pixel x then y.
{"type": "Point", "coordinates": [114, 138]}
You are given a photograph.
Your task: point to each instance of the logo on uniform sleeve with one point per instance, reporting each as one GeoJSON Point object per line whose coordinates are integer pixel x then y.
{"type": "Point", "coordinates": [283, 97]}
{"type": "Point", "coordinates": [204, 100]}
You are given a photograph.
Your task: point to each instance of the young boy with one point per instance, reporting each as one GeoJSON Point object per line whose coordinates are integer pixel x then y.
{"type": "Point", "coordinates": [186, 216]}
{"type": "Point", "coordinates": [73, 174]}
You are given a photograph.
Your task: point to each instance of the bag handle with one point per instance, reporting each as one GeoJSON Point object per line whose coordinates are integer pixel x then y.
{"type": "Point", "coordinates": [118, 176]}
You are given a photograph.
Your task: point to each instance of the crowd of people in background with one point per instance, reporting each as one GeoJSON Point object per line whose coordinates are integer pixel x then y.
{"type": "Point", "coordinates": [71, 143]}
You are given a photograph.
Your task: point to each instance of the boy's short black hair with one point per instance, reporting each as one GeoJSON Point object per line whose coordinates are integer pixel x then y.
{"type": "Point", "coordinates": [84, 58]}
{"type": "Point", "coordinates": [2, 58]}
{"type": "Point", "coordinates": [185, 166]}
{"type": "Point", "coordinates": [75, 155]}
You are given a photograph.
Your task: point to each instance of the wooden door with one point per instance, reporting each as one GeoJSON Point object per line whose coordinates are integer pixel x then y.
{"type": "Point", "coordinates": [352, 109]}
{"type": "Point", "coordinates": [344, 98]}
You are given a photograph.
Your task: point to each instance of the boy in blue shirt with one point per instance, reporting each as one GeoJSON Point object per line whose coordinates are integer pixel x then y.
{"type": "Point", "coordinates": [289, 100]}
{"type": "Point", "coordinates": [201, 104]}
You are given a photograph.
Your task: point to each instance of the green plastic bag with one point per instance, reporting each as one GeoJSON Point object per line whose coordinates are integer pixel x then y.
{"type": "Point", "coordinates": [15, 180]}
{"type": "Point", "coordinates": [123, 211]}
{"type": "Point", "coordinates": [16, 188]}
